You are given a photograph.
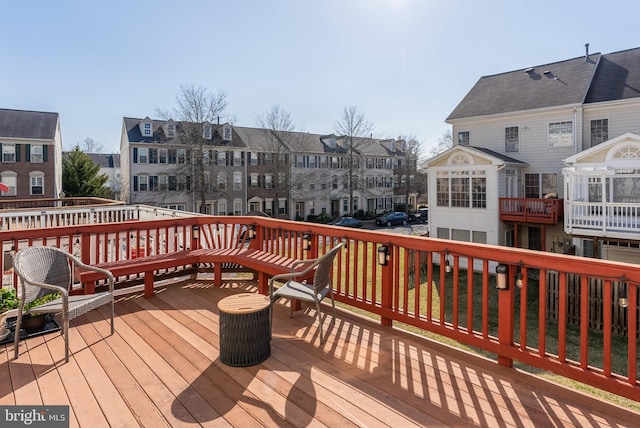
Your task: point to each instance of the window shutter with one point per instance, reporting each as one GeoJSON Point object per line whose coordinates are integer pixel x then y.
{"type": "Point", "coordinates": [135, 157]}
{"type": "Point", "coordinates": [27, 152]}
{"type": "Point", "coordinates": [18, 152]}
{"type": "Point", "coordinates": [135, 183]}
{"type": "Point", "coordinates": [45, 157]}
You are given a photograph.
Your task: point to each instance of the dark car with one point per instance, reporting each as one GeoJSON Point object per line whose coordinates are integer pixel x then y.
{"type": "Point", "coordinates": [392, 218]}
{"type": "Point", "coordinates": [348, 222]}
{"type": "Point", "coordinates": [420, 216]}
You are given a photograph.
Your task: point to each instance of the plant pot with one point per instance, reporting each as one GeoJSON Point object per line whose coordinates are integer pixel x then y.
{"type": "Point", "coordinates": [34, 323]}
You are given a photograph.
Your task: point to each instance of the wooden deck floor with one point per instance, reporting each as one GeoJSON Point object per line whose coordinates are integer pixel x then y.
{"type": "Point", "coordinates": [162, 368]}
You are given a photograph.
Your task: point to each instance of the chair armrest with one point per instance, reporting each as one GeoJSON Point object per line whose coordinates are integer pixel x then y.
{"type": "Point", "coordinates": [84, 266]}
{"type": "Point", "coordinates": [293, 274]}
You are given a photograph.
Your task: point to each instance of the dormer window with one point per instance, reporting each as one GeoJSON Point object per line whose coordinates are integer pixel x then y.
{"type": "Point", "coordinates": [206, 131]}
{"type": "Point", "coordinates": [171, 130]}
{"type": "Point", "coordinates": [393, 146]}
{"type": "Point", "coordinates": [226, 132]}
{"type": "Point", "coordinates": [146, 129]}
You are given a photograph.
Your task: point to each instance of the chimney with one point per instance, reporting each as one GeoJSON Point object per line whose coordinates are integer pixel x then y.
{"type": "Point", "coordinates": [586, 52]}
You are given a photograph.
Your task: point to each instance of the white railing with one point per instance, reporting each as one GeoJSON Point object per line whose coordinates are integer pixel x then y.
{"type": "Point", "coordinates": [74, 215]}
{"type": "Point", "coordinates": [602, 219]}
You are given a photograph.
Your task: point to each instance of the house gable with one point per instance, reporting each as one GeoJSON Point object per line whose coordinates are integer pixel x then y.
{"type": "Point", "coordinates": [622, 149]}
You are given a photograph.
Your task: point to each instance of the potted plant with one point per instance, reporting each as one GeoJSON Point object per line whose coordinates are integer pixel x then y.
{"type": "Point", "coordinates": [33, 323]}
{"type": "Point", "coordinates": [8, 300]}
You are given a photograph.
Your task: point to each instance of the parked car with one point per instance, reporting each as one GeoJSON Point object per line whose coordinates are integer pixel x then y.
{"type": "Point", "coordinates": [420, 216]}
{"type": "Point", "coordinates": [392, 218]}
{"type": "Point", "coordinates": [348, 222]}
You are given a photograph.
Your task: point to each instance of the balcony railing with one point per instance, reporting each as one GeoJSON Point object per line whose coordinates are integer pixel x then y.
{"type": "Point", "coordinates": [531, 210]}
{"type": "Point", "coordinates": [615, 220]}
{"type": "Point", "coordinates": [426, 283]}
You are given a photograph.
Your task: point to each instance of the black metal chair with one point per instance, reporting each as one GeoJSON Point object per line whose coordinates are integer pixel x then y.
{"type": "Point", "coordinates": [45, 270]}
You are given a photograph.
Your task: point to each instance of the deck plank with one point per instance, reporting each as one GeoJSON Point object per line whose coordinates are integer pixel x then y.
{"type": "Point", "coordinates": [162, 368]}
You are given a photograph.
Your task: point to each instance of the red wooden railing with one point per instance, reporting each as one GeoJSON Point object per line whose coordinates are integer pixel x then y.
{"type": "Point", "coordinates": [532, 210]}
{"type": "Point", "coordinates": [425, 283]}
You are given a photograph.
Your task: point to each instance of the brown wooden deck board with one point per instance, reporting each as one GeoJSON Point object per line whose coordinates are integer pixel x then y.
{"type": "Point", "coordinates": [162, 368]}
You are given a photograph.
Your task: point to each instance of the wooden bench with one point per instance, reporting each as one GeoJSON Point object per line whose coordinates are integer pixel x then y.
{"type": "Point", "coordinates": [147, 265]}
{"type": "Point", "coordinates": [264, 264]}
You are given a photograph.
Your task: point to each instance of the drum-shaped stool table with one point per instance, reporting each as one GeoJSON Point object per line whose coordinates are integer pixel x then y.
{"type": "Point", "coordinates": [245, 330]}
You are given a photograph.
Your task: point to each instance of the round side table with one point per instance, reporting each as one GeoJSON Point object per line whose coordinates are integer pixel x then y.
{"type": "Point", "coordinates": [245, 330]}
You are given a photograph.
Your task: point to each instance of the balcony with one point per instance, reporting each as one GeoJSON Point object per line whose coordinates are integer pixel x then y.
{"type": "Point", "coordinates": [162, 365]}
{"type": "Point", "coordinates": [531, 210]}
{"type": "Point", "coordinates": [603, 219]}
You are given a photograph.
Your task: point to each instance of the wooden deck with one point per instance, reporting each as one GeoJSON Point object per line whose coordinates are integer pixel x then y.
{"type": "Point", "coordinates": [162, 368]}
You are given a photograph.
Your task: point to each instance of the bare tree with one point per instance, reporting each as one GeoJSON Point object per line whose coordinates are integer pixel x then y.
{"type": "Point", "coordinates": [356, 133]}
{"type": "Point", "coordinates": [445, 142]}
{"type": "Point", "coordinates": [411, 148]}
{"type": "Point", "coordinates": [195, 107]}
{"type": "Point", "coordinates": [89, 145]}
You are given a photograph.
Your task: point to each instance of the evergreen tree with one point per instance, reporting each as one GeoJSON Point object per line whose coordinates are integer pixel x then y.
{"type": "Point", "coordinates": [80, 176]}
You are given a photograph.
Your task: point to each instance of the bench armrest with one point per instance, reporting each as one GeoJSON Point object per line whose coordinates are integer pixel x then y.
{"type": "Point", "coordinates": [84, 266]}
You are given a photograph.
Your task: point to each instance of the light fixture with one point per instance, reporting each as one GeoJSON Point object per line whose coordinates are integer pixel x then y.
{"type": "Point", "coordinates": [195, 229]}
{"type": "Point", "coordinates": [306, 242]}
{"type": "Point", "coordinates": [501, 277]}
{"type": "Point", "coordinates": [623, 301]}
{"type": "Point", "coordinates": [447, 265]}
{"type": "Point", "coordinates": [252, 231]}
{"type": "Point", "coordinates": [519, 279]}
{"type": "Point", "coordinates": [13, 250]}
{"type": "Point", "coordinates": [383, 255]}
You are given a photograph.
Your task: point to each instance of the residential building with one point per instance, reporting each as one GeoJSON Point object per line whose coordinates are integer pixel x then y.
{"type": "Point", "coordinates": [31, 162]}
{"type": "Point", "coordinates": [110, 166]}
{"type": "Point", "coordinates": [514, 131]}
{"type": "Point", "coordinates": [163, 167]}
{"type": "Point", "coordinates": [286, 174]}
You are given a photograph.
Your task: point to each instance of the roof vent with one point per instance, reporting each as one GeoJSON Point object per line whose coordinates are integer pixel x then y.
{"type": "Point", "coordinates": [529, 70]}
{"type": "Point", "coordinates": [547, 72]}
{"type": "Point", "coordinates": [586, 52]}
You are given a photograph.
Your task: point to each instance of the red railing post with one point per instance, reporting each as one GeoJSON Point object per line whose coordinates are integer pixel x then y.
{"type": "Point", "coordinates": [387, 285]}
{"type": "Point", "coordinates": [506, 306]}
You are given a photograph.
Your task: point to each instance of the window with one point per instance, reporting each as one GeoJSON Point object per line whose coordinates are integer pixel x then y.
{"type": "Point", "coordinates": [237, 158]}
{"type": "Point", "coordinates": [143, 183]}
{"type": "Point", "coordinates": [8, 152]}
{"type": "Point", "coordinates": [172, 156]}
{"type": "Point", "coordinates": [511, 141]}
{"type": "Point", "coordinates": [442, 191]}
{"type": "Point", "coordinates": [254, 180]}
{"type": "Point", "coordinates": [153, 155]}
{"type": "Point", "coordinates": [599, 131]}
{"type": "Point", "coordinates": [254, 159]}
{"type": "Point", "coordinates": [163, 182]}
{"type": "Point", "coordinates": [538, 185]}
{"type": "Point", "coordinates": [222, 181]}
{"type": "Point", "coordinates": [459, 191]}
{"type": "Point", "coordinates": [37, 183]}
{"type": "Point", "coordinates": [237, 207]}
{"type": "Point", "coordinates": [177, 207]}
{"type": "Point", "coordinates": [171, 130]}
{"type": "Point", "coordinates": [143, 155]}
{"type": "Point", "coordinates": [442, 233]}
{"type": "Point", "coordinates": [534, 238]}
{"type": "Point", "coordinates": [267, 158]}
{"type": "Point", "coordinates": [463, 138]}
{"type": "Point", "coordinates": [222, 207]}
{"type": "Point", "coordinates": [146, 129]}
{"type": "Point", "coordinates": [560, 134]}
{"type": "Point", "coordinates": [222, 158]}
{"type": "Point", "coordinates": [182, 155]}
{"type": "Point", "coordinates": [226, 130]}
{"type": "Point", "coordinates": [36, 153]}
{"type": "Point", "coordinates": [10, 179]}
{"type": "Point", "coordinates": [237, 181]}
{"type": "Point", "coordinates": [153, 183]}
{"type": "Point", "coordinates": [282, 205]}
{"type": "Point", "coordinates": [268, 181]}
{"type": "Point", "coordinates": [206, 131]}
{"type": "Point", "coordinates": [479, 192]}
{"type": "Point", "coordinates": [479, 237]}
{"type": "Point", "coordinates": [461, 235]}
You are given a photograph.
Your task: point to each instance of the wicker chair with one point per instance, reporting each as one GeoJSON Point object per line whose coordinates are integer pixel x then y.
{"type": "Point", "coordinates": [314, 292]}
{"type": "Point", "coordinates": [45, 270]}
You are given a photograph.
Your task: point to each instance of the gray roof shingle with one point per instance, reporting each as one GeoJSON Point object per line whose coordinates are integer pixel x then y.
{"type": "Point", "coordinates": [520, 90]}
{"type": "Point", "coordinates": [37, 125]}
{"type": "Point", "coordinates": [617, 77]}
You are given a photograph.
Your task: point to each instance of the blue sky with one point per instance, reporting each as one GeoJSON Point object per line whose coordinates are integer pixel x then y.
{"type": "Point", "coordinates": [405, 64]}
